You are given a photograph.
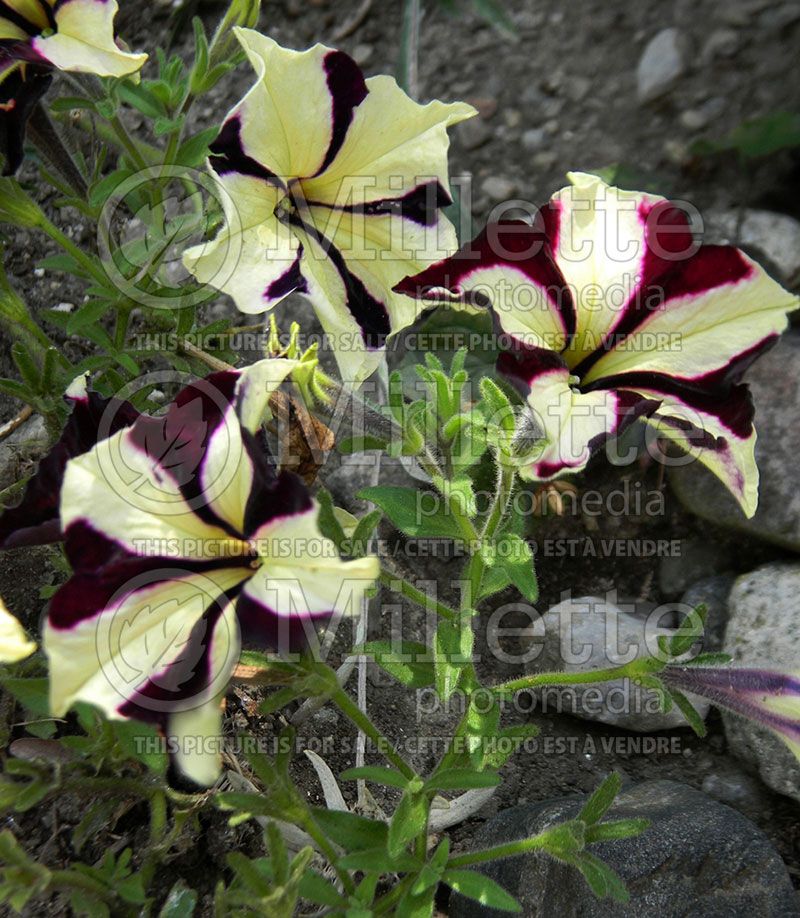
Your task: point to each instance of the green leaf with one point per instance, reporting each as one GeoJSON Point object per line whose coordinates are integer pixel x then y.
{"type": "Point", "coordinates": [140, 97]}
{"type": "Point", "coordinates": [401, 660]}
{"type": "Point", "coordinates": [408, 513]}
{"type": "Point", "coordinates": [617, 828]}
{"type": "Point", "coordinates": [32, 694]}
{"type": "Point", "coordinates": [389, 777]}
{"type": "Point", "coordinates": [462, 779]}
{"type": "Point", "coordinates": [180, 902]}
{"type": "Point", "coordinates": [409, 820]}
{"type": "Point", "coordinates": [756, 137]}
{"type": "Point", "coordinates": [452, 652]}
{"type": "Point", "coordinates": [482, 889]}
{"type": "Point", "coordinates": [603, 881]}
{"type": "Point", "coordinates": [350, 831]}
{"type": "Point", "coordinates": [364, 531]}
{"type": "Point", "coordinates": [379, 860]}
{"type": "Point", "coordinates": [317, 889]}
{"type": "Point", "coordinates": [689, 711]}
{"type": "Point", "coordinates": [598, 804]}
{"type": "Point", "coordinates": [329, 525]}
{"type": "Point", "coordinates": [194, 151]}
{"type": "Point", "coordinates": [691, 629]}
{"type": "Point", "coordinates": [349, 445]}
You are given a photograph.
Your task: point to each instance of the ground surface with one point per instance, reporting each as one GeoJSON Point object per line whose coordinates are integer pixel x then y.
{"type": "Point", "coordinates": [572, 76]}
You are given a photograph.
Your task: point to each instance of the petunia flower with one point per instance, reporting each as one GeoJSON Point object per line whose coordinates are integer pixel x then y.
{"type": "Point", "coordinates": [768, 697]}
{"type": "Point", "coordinates": [332, 185]}
{"type": "Point", "coordinates": [185, 541]}
{"type": "Point", "coordinates": [39, 36]}
{"type": "Point", "coordinates": [35, 521]}
{"type": "Point", "coordinates": [15, 645]}
{"type": "Point", "coordinates": [613, 312]}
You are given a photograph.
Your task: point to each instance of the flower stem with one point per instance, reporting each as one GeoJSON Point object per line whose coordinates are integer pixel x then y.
{"type": "Point", "coordinates": [398, 585]}
{"type": "Point", "coordinates": [609, 674]}
{"type": "Point", "coordinates": [350, 709]}
{"type": "Point", "coordinates": [508, 850]}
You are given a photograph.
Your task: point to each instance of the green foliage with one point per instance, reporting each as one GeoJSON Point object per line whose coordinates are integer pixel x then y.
{"type": "Point", "coordinates": [756, 137]}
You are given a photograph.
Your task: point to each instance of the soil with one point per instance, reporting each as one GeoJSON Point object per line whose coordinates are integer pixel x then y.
{"type": "Point", "coordinates": [572, 73]}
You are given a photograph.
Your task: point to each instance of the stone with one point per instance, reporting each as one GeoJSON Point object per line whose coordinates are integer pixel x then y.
{"type": "Point", "coordinates": [720, 43]}
{"type": "Point", "coordinates": [697, 559]}
{"type": "Point", "coordinates": [363, 53]}
{"type": "Point", "coordinates": [473, 133]}
{"type": "Point", "coordinates": [19, 450]}
{"type": "Point", "coordinates": [775, 383]}
{"type": "Point", "coordinates": [660, 66]}
{"type": "Point", "coordinates": [764, 630]}
{"type": "Point", "coordinates": [595, 633]}
{"type": "Point", "coordinates": [534, 139]}
{"type": "Point", "coordinates": [498, 188]}
{"type": "Point", "coordinates": [713, 592]}
{"type": "Point", "coordinates": [698, 857]}
{"type": "Point", "coordinates": [769, 237]}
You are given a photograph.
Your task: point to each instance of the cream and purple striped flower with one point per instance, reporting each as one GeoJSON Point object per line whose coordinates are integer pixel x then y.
{"type": "Point", "coordinates": [15, 645]}
{"type": "Point", "coordinates": [768, 697]}
{"type": "Point", "coordinates": [184, 542]}
{"type": "Point", "coordinates": [39, 36]}
{"type": "Point", "coordinates": [333, 187]}
{"type": "Point", "coordinates": [614, 311]}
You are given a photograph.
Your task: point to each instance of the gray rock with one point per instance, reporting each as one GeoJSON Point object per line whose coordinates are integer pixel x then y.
{"type": "Point", "coordinates": [696, 560]}
{"type": "Point", "coordinates": [695, 119]}
{"type": "Point", "coordinates": [660, 66]}
{"type": "Point", "coordinates": [713, 592]}
{"type": "Point", "coordinates": [770, 237]}
{"type": "Point", "coordinates": [720, 43]}
{"type": "Point", "coordinates": [697, 858]}
{"type": "Point", "coordinates": [498, 188]}
{"type": "Point", "coordinates": [534, 139]}
{"type": "Point", "coordinates": [594, 633]}
{"type": "Point", "coordinates": [474, 133]}
{"type": "Point", "coordinates": [775, 383]}
{"type": "Point", "coordinates": [19, 450]}
{"type": "Point", "coordinates": [764, 629]}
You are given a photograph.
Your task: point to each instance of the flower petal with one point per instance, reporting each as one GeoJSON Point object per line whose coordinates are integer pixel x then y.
{"type": "Point", "coordinates": [351, 262]}
{"type": "Point", "coordinates": [718, 432]}
{"type": "Point", "coordinates": [84, 40]}
{"type": "Point", "coordinates": [355, 320]}
{"type": "Point", "coordinates": [710, 309]}
{"type": "Point", "coordinates": [141, 647]}
{"type": "Point", "coordinates": [36, 519]}
{"type": "Point", "coordinates": [15, 645]}
{"type": "Point", "coordinates": [295, 116]}
{"type": "Point", "coordinates": [508, 266]}
{"type": "Point", "coordinates": [572, 424]}
{"type": "Point", "coordinates": [302, 583]}
{"type": "Point", "coordinates": [186, 476]}
{"type": "Point", "coordinates": [600, 241]}
{"type": "Point", "coordinates": [18, 97]}
{"type": "Point", "coordinates": [392, 146]}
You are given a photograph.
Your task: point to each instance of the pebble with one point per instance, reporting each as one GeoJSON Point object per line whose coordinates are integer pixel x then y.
{"type": "Point", "coordinates": [713, 593]}
{"type": "Point", "coordinates": [534, 139]}
{"type": "Point", "coordinates": [720, 43]}
{"type": "Point", "coordinates": [698, 857]}
{"type": "Point", "coordinates": [593, 633]}
{"type": "Point", "coordinates": [660, 66]}
{"type": "Point", "coordinates": [696, 560]}
{"type": "Point", "coordinates": [473, 133]}
{"type": "Point", "coordinates": [498, 188]}
{"type": "Point", "coordinates": [764, 630]}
